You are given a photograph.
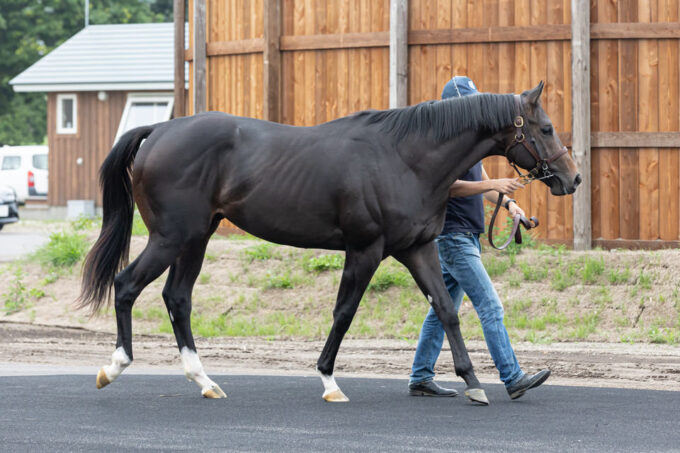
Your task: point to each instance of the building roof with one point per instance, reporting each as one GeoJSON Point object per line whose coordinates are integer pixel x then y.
{"type": "Point", "coordinates": [106, 57]}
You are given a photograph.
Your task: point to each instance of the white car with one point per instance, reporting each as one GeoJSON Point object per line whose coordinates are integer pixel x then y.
{"type": "Point", "coordinates": [24, 168]}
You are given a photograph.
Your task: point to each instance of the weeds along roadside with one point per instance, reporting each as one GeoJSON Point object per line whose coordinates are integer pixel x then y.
{"type": "Point", "coordinates": [249, 287]}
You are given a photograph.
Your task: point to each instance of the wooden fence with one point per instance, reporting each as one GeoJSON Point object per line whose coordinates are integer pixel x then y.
{"type": "Point", "coordinates": [304, 62]}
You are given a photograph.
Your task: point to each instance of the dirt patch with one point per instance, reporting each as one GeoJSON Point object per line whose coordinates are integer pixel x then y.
{"type": "Point", "coordinates": [591, 317]}
{"type": "Point", "coordinates": [608, 365]}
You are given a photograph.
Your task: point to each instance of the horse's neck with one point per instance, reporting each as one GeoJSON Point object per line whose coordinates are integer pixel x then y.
{"type": "Point", "coordinates": [447, 161]}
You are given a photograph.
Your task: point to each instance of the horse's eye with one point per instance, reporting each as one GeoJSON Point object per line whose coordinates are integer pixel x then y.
{"type": "Point", "coordinates": [547, 130]}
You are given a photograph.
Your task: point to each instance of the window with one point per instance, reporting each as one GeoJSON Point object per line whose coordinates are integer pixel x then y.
{"type": "Point", "coordinates": [67, 114]}
{"type": "Point", "coordinates": [142, 110]}
{"type": "Point", "coordinates": [11, 162]}
{"type": "Point", "coordinates": [40, 161]}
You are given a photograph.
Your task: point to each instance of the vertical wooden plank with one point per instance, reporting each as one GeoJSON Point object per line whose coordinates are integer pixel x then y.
{"type": "Point", "coordinates": [580, 45]}
{"type": "Point", "coordinates": [669, 118]}
{"type": "Point", "coordinates": [459, 51]}
{"type": "Point", "coordinates": [288, 62]}
{"type": "Point", "coordinates": [629, 198]}
{"type": "Point", "coordinates": [299, 65]}
{"type": "Point", "coordinates": [608, 121]}
{"type": "Point", "coordinates": [379, 79]}
{"type": "Point", "coordinates": [648, 61]}
{"type": "Point", "coordinates": [539, 193]}
{"type": "Point", "coordinates": [443, 72]}
{"type": "Point", "coordinates": [522, 75]}
{"type": "Point", "coordinates": [272, 60]}
{"type": "Point", "coordinates": [332, 64]}
{"type": "Point", "coordinates": [594, 126]}
{"type": "Point", "coordinates": [414, 55]}
{"type": "Point", "coordinates": [319, 58]}
{"type": "Point", "coordinates": [553, 102]}
{"type": "Point", "coordinates": [506, 75]}
{"type": "Point", "coordinates": [343, 61]}
{"type": "Point", "coordinates": [199, 62]}
{"type": "Point", "coordinates": [309, 67]}
{"type": "Point", "coordinates": [398, 53]}
{"type": "Point", "coordinates": [364, 55]}
{"type": "Point", "coordinates": [179, 19]}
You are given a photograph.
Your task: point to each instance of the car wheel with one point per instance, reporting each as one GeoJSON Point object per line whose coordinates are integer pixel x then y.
{"type": "Point", "coordinates": [1, 225]}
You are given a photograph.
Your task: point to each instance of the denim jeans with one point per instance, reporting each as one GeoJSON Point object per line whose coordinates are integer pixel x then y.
{"type": "Point", "coordinates": [459, 256]}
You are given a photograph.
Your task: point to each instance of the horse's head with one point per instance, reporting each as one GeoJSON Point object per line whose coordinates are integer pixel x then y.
{"type": "Point", "coordinates": [535, 146]}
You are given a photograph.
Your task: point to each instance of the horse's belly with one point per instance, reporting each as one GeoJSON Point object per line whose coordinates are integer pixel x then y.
{"type": "Point", "coordinates": [290, 228]}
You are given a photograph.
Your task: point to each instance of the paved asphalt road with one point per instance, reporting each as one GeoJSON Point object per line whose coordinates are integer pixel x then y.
{"type": "Point", "coordinates": [14, 245]}
{"type": "Point", "coordinates": [270, 413]}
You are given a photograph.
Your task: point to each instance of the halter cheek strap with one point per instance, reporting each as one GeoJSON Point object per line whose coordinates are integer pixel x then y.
{"type": "Point", "coordinates": [541, 170]}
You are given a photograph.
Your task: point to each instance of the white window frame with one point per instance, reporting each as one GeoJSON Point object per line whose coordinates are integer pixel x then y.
{"type": "Point", "coordinates": [64, 130]}
{"type": "Point", "coordinates": [145, 97]}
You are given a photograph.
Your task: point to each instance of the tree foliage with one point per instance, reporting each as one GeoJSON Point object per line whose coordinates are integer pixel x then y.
{"type": "Point", "coordinates": [29, 29]}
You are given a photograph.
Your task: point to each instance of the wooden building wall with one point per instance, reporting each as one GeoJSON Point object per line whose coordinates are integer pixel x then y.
{"type": "Point", "coordinates": [335, 61]}
{"type": "Point", "coordinates": [97, 126]}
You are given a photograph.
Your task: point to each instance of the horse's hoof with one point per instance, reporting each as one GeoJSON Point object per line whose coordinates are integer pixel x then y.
{"type": "Point", "coordinates": [214, 393]}
{"type": "Point", "coordinates": [477, 396]}
{"type": "Point", "coordinates": [102, 379]}
{"type": "Point", "coordinates": [336, 396]}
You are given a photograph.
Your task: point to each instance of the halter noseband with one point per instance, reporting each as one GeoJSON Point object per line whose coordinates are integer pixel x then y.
{"type": "Point", "coordinates": [541, 170]}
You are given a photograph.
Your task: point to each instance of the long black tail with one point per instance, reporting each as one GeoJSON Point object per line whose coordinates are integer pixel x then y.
{"type": "Point", "coordinates": [110, 253]}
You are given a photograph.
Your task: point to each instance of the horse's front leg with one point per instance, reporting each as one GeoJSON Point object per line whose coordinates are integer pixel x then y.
{"type": "Point", "coordinates": [360, 265]}
{"type": "Point", "coordinates": [423, 263]}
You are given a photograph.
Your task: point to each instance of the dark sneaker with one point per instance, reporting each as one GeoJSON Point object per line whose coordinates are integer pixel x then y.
{"type": "Point", "coordinates": [527, 382]}
{"type": "Point", "coordinates": [429, 388]}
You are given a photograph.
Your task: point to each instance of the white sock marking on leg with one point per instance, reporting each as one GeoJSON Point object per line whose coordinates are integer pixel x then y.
{"type": "Point", "coordinates": [193, 370]}
{"type": "Point", "coordinates": [329, 383]}
{"type": "Point", "coordinates": [119, 361]}
{"type": "Point", "coordinates": [429, 299]}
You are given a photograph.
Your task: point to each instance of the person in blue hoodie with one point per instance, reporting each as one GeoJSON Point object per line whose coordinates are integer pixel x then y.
{"type": "Point", "coordinates": [461, 264]}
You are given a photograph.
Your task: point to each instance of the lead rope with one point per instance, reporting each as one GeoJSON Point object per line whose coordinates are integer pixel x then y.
{"type": "Point", "coordinates": [516, 220]}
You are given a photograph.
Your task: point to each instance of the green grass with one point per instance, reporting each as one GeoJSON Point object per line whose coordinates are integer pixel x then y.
{"type": "Point", "coordinates": [386, 278]}
{"type": "Point", "coordinates": [618, 276]}
{"type": "Point", "coordinates": [644, 280]}
{"type": "Point", "coordinates": [494, 266]}
{"type": "Point", "coordinates": [561, 280]}
{"type": "Point", "coordinates": [323, 263]}
{"type": "Point", "coordinates": [282, 281]}
{"type": "Point", "coordinates": [591, 270]}
{"type": "Point", "coordinates": [16, 297]}
{"type": "Point", "coordinates": [63, 250]}
{"type": "Point", "coordinates": [204, 278]}
{"type": "Point", "coordinates": [138, 226]}
{"type": "Point", "coordinates": [585, 326]}
{"type": "Point", "coordinates": [260, 252]}
{"type": "Point", "coordinates": [533, 273]}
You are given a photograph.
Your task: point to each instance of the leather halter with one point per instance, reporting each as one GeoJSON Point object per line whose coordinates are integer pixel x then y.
{"type": "Point", "coordinates": [540, 171]}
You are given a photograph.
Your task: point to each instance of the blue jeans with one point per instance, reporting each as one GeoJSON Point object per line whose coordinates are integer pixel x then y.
{"type": "Point", "coordinates": [461, 263]}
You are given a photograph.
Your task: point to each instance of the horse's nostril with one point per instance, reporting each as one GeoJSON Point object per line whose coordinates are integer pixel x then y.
{"type": "Point", "coordinates": [577, 180]}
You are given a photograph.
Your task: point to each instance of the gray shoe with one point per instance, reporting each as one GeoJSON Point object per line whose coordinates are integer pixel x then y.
{"type": "Point", "coordinates": [429, 388]}
{"type": "Point", "coordinates": [527, 382]}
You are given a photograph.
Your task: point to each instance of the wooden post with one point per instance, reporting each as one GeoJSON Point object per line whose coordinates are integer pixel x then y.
{"type": "Point", "coordinates": [580, 98]}
{"type": "Point", "coordinates": [179, 20]}
{"type": "Point", "coordinates": [272, 60]}
{"type": "Point", "coordinates": [199, 62]}
{"type": "Point", "coordinates": [398, 53]}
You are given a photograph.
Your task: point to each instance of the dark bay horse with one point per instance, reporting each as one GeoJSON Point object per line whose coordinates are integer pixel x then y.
{"type": "Point", "coordinates": [373, 184]}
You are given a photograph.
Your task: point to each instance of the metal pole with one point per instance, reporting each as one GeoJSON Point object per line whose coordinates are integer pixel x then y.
{"type": "Point", "coordinates": [87, 13]}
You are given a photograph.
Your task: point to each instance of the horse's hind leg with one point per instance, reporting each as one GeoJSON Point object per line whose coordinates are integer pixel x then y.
{"type": "Point", "coordinates": [360, 265]}
{"type": "Point", "coordinates": [177, 297]}
{"type": "Point", "coordinates": [151, 263]}
{"type": "Point", "coordinates": [423, 263]}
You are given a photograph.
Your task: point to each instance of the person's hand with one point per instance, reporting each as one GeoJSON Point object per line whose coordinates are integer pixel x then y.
{"type": "Point", "coordinates": [506, 186]}
{"type": "Point", "coordinates": [513, 209]}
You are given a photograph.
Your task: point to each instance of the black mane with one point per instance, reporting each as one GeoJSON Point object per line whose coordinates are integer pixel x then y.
{"type": "Point", "coordinates": [447, 118]}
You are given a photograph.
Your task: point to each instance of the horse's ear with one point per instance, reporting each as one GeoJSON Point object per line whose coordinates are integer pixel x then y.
{"type": "Point", "coordinates": [532, 96]}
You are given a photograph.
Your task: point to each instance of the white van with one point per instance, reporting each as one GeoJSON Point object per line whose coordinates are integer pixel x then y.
{"type": "Point", "coordinates": [24, 168]}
